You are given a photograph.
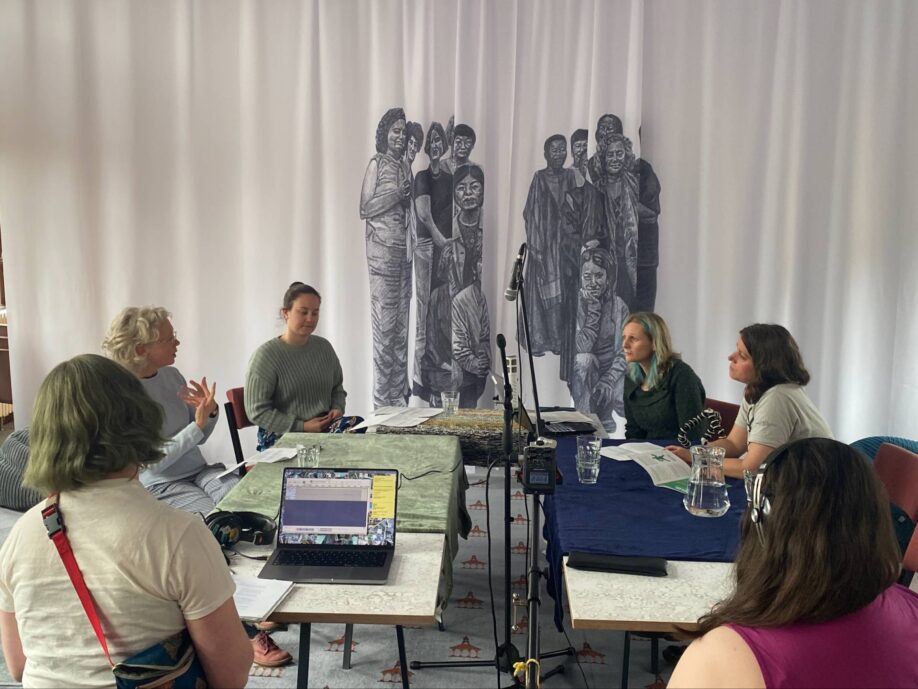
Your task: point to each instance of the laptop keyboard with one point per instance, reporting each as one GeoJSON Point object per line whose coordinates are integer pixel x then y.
{"type": "Point", "coordinates": [331, 558]}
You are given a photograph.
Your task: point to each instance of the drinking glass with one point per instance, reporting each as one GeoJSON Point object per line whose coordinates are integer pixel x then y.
{"type": "Point", "coordinates": [588, 458]}
{"type": "Point", "coordinates": [307, 456]}
{"type": "Point", "coordinates": [588, 444]}
{"type": "Point", "coordinates": [587, 468]}
{"type": "Point", "coordinates": [749, 481]}
{"type": "Point", "coordinates": [450, 402]}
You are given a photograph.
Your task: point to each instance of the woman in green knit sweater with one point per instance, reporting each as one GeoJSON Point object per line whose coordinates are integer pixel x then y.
{"type": "Point", "coordinates": [295, 382]}
{"type": "Point", "coordinates": [662, 392]}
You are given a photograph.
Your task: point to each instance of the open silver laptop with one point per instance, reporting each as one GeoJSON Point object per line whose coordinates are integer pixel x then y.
{"type": "Point", "coordinates": [335, 526]}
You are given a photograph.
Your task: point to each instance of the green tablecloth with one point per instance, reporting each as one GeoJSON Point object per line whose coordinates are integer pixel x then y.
{"type": "Point", "coordinates": [431, 493]}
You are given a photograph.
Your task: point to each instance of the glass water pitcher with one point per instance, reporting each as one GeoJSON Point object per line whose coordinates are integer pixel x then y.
{"type": "Point", "coordinates": [707, 490]}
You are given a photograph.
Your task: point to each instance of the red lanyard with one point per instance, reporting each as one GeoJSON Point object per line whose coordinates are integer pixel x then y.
{"type": "Point", "coordinates": [54, 523]}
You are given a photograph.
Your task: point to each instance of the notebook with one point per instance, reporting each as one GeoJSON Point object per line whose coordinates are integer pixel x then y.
{"type": "Point", "coordinates": [335, 526]}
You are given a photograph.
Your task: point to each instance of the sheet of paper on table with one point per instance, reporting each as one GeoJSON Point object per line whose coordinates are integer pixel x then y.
{"type": "Point", "coordinates": [665, 468]}
{"type": "Point", "coordinates": [269, 456]}
{"type": "Point", "coordinates": [399, 417]}
{"type": "Point", "coordinates": [257, 598]}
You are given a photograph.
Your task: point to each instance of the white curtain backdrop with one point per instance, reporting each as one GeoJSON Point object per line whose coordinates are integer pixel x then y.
{"type": "Point", "coordinates": [203, 155]}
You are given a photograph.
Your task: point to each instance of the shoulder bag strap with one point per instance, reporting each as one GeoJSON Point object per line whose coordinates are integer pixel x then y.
{"type": "Point", "coordinates": [54, 523]}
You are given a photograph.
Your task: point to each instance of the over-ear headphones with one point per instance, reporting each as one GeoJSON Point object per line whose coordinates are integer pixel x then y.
{"type": "Point", "coordinates": [231, 527]}
{"type": "Point", "coordinates": [761, 505]}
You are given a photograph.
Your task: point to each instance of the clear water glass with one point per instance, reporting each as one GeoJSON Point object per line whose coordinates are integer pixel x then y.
{"type": "Point", "coordinates": [588, 458]}
{"type": "Point", "coordinates": [450, 401]}
{"type": "Point", "coordinates": [588, 444]}
{"type": "Point", "coordinates": [749, 482]}
{"type": "Point", "coordinates": [587, 469]}
{"type": "Point", "coordinates": [307, 456]}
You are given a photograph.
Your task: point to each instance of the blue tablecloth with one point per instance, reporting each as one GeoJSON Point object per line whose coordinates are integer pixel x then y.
{"type": "Point", "coordinates": [625, 514]}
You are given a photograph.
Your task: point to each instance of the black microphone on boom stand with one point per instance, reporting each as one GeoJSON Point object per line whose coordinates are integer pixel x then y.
{"type": "Point", "coordinates": [538, 469]}
{"type": "Point", "coordinates": [507, 654]}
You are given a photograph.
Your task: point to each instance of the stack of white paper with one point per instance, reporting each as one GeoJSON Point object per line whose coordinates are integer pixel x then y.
{"type": "Point", "coordinates": [257, 598]}
{"type": "Point", "coordinates": [269, 456]}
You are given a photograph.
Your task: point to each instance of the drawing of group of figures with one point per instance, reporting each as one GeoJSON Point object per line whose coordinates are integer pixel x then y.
{"type": "Point", "coordinates": [592, 239]}
{"type": "Point", "coordinates": [431, 222]}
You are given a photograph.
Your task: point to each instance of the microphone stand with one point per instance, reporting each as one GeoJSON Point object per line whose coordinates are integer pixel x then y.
{"type": "Point", "coordinates": [507, 654]}
{"type": "Point", "coordinates": [534, 675]}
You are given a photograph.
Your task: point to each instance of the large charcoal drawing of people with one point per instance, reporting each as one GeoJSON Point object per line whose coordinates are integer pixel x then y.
{"type": "Point", "coordinates": [414, 139]}
{"type": "Point", "coordinates": [459, 263]}
{"type": "Point", "coordinates": [385, 201]}
{"type": "Point", "coordinates": [619, 187]}
{"type": "Point", "coordinates": [597, 383]}
{"type": "Point", "coordinates": [583, 220]}
{"type": "Point", "coordinates": [468, 198]}
{"type": "Point", "coordinates": [607, 125]}
{"type": "Point", "coordinates": [471, 330]}
{"type": "Point", "coordinates": [433, 201]}
{"type": "Point", "coordinates": [542, 218]}
{"type": "Point", "coordinates": [648, 235]}
{"type": "Point", "coordinates": [462, 144]}
{"type": "Point", "coordinates": [579, 159]}
{"type": "Point", "coordinates": [449, 276]}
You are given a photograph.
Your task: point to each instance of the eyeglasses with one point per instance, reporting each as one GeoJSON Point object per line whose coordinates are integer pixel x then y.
{"type": "Point", "coordinates": [172, 340]}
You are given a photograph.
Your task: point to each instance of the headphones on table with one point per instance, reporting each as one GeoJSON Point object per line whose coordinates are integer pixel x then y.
{"type": "Point", "coordinates": [231, 527]}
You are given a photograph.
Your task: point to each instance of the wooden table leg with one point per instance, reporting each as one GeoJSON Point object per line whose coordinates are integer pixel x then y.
{"type": "Point", "coordinates": [302, 668]}
{"type": "Point", "coordinates": [348, 640]}
{"type": "Point", "coordinates": [402, 657]}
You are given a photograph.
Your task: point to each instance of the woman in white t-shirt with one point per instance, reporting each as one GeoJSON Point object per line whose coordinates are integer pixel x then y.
{"type": "Point", "coordinates": [775, 409]}
{"type": "Point", "coordinates": [152, 570]}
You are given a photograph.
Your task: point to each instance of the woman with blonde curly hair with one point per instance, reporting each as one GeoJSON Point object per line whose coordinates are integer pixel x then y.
{"type": "Point", "coordinates": [141, 339]}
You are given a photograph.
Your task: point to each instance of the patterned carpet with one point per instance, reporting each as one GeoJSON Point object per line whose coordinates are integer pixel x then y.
{"type": "Point", "coordinates": [468, 633]}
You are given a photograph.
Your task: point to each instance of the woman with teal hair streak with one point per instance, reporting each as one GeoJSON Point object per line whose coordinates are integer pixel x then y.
{"type": "Point", "coordinates": [662, 392]}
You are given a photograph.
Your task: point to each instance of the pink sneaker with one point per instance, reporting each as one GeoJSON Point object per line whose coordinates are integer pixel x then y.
{"type": "Point", "coordinates": [268, 653]}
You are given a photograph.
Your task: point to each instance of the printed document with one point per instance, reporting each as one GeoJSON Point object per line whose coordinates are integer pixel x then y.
{"type": "Point", "coordinates": [269, 456]}
{"type": "Point", "coordinates": [665, 468]}
{"type": "Point", "coordinates": [257, 598]}
{"type": "Point", "coordinates": [399, 417]}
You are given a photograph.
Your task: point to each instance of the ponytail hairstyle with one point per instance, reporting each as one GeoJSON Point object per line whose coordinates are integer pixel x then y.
{"type": "Point", "coordinates": [298, 289]}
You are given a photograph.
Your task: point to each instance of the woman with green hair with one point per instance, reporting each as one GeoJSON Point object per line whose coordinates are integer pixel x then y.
{"type": "Point", "coordinates": [662, 392]}
{"type": "Point", "coordinates": [152, 570]}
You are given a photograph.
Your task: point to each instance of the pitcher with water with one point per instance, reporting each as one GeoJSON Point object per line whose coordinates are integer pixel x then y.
{"type": "Point", "coordinates": [707, 490]}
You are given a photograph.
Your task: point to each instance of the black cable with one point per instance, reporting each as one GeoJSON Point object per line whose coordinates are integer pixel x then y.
{"type": "Point", "coordinates": [250, 557]}
{"type": "Point", "coordinates": [430, 471]}
{"type": "Point", "coordinates": [576, 657]}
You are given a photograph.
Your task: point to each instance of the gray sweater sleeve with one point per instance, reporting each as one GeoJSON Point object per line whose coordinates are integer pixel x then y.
{"type": "Point", "coordinates": [14, 456]}
{"type": "Point", "coordinates": [260, 386]}
{"type": "Point", "coordinates": [289, 384]}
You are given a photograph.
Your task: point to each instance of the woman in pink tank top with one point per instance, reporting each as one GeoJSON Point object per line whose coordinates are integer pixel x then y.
{"type": "Point", "coordinates": [815, 603]}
